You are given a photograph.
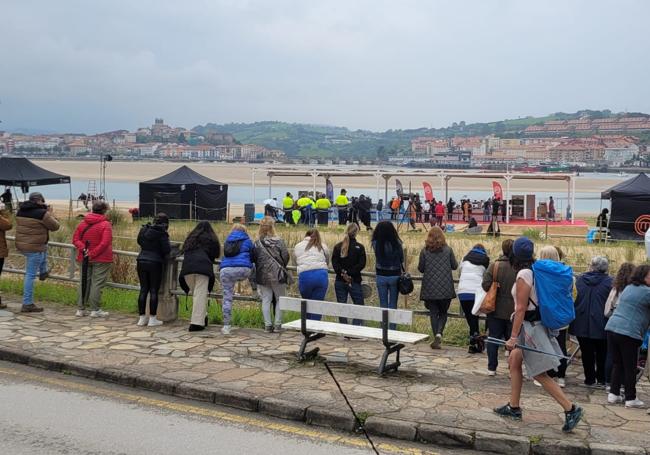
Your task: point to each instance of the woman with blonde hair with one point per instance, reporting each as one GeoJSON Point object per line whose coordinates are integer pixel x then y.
{"type": "Point", "coordinates": [436, 263]}
{"type": "Point", "coordinates": [271, 257]}
{"type": "Point", "coordinates": [312, 259]}
{"type": "Point", "coordinates": [348, 260]}
{"type": "Point", "coordinates": [236, 265]}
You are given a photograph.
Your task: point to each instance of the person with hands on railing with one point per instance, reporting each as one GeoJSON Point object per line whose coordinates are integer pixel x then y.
{"type": "Point", "coordinates": [93, 239]}
{"type": "Point", "coordinates": [34, 222]}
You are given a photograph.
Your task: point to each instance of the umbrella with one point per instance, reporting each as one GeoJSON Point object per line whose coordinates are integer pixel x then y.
{"type": "Point", "coordinates": [84, 276]}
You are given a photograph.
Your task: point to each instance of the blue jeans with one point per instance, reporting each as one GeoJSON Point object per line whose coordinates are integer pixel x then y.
{"type": "Point", "coordinates": [355, 292]}
{"type": "Point", "coordinates": [35, 264]}
{"type": "Point", "coordinates": [312, 285]}
{"type": "Point", "coordinates": [387, 292]}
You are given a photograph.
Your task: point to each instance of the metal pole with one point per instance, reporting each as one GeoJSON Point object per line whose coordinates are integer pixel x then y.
{"type": "Point", "coordinates": [314, 174]}
{"type": "Point", "coordinates": [573, 199]}
{"type": "Point", "coordinates": [377, 182]}
{"type": "Point", "coordinates": [253, 183]}
{"type": "Point", "coordinates": [386, 178]}
{"type": "Point", "coordinates": [270, 186]}
{"type": "Point", "coordinates": [508, 198]}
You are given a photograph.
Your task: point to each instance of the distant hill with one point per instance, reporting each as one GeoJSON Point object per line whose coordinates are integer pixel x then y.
{"type": "Point", "coordinates": [298, 139]}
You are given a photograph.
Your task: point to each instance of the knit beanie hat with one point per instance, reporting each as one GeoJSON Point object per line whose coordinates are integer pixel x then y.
{"type": "Point", "coordinates": [523, 249]}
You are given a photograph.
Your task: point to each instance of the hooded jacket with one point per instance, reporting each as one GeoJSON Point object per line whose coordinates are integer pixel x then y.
{"type": "Point", "coordinates": [506, 277]}
{"type": "Point", "coordinates": [154, 242]}
{"type": "Point", "coordinates": [353, 263]}
{"type": "Point", "coordinates": [33, 226]}
{"type": "Point", "coordinates": [472, 269]}
{"type": "Point", "coordinates": [269, 255]}
{"type": "Point", "coordinates": [200, 261]}
{"type": "Point", "coordinates": [311, 259]}
{"type": "Point", "coordinates": [5, 225]}
{"type": "Point", "coordinates": [245, 256]}
{"type": "Point", "coordinates": [593, 289]}
{"type": "Point", "coordinates": [95, 231]}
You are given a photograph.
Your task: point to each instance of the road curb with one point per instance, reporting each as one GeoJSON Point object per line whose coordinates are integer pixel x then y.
{"type": "Point", "coordinates": [319, 416]}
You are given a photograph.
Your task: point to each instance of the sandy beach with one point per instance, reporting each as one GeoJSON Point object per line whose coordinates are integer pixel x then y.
{"type": "Point", "coordinates": [241, 174]}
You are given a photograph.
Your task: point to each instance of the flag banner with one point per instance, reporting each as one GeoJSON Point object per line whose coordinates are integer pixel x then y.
{"type": "Point", "coordinates": [498, 191]}
{"type": "Point", "coordinates": [399, 188]}
{"type": "Point", "coordinates": [428, 192]}
{"type": "Point", "coordinates": [329, 189]}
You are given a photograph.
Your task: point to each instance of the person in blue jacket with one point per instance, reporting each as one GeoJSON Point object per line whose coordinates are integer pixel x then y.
{"type": "Point", "coordinates": [236, 265]}
{"type": "Point", "coordinates": [593, 289]}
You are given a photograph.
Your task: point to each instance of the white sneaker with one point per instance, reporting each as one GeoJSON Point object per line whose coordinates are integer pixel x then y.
{"type": "Point", "coordinates": [561, 382]}
{"type": "Point", "coordinates": [154, 322]}
{"type": "Point", "coordinates": [225, 330]}
{"type": "Point", "coordinates": [98, 314]}
{"type": "Point", "coordinates": [537, 383]}
{"type": "Point", "coordinates": [142, 321]}
{"type": "Point", "coordinates": [491, 373]}
{"type": "Point", "coordinates": [636, 403]}
{"type": "Point", "coordinates": [614, 399]}
{"type": "Point", "coordinates": [80, 313]}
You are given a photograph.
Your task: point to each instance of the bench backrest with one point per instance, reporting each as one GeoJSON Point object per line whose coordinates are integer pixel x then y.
{"type": "Point", "coordinates": [366, 313]}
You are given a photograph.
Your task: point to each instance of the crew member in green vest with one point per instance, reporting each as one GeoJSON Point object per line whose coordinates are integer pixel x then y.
{"type": "Point", "coordinates": [304, 205]}
{"type": "Point", "coordinates": [342, 204]}
{"type": "Point", "coordinates": [323, 209]}
{"type": "Point", "coordinates": [287, 206]}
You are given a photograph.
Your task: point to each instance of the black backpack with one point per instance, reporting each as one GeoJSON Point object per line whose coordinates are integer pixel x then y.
{"type": "Point", "coordinates": [232, 249]}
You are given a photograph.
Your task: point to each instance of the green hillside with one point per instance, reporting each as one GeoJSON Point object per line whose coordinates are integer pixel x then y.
{"type": "Point", "coordinates": [297, 139]}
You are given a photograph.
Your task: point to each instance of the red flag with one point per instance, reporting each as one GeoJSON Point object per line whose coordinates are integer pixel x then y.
{"type": "Point", "coordinates": [498, 191]}
{"type": "Point", "coordinates": [428, 192]}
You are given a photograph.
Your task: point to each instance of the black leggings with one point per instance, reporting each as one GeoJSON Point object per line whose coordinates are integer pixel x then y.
{"type": "Point", "coordinates": [2, 264]}
{"type": "Point", "coordinates": [150, 276]}
{"type": "Point", "coordinates": [472, 321]}
{"type": "Point", "coordinates": [625, 353]}
{"type": "Point", "coordinates": [438, 314]}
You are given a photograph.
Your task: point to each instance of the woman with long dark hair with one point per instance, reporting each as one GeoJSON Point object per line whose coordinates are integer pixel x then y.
{"type": "Point", "coordinates": [437, 261]}
{"type": "Point", "coordinates": [312, 258]}
{"type": "Point", "coordinates": [155, 247]}
{"type": "Point", "coordinates": [527, 329]}
{"type": "Point", "coordinates": [348, 260]}
{"type": "Point", "coordinates": [200, 251]}
{"type": "Point", "coordinates": [389, 260]}
{"type": "Point", "coordinates": [625, 331]}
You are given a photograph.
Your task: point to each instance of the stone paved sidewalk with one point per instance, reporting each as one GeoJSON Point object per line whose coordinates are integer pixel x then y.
{"type": "Point", "coordinates": [444, 394]}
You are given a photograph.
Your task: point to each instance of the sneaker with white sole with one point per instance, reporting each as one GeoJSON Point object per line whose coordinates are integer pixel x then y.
{"type": "Point", "coordinates": [491, 373]}
{"type": "Point", "coordinates": [225, 330]}
{"type": "Point", "coordinates": [154, 322]}
{"type": "Point", "coordinates": [561, 382]}
{"type": "Point", "coordinates": [636, 403]}
{"type": "Point", "coordinates": [614, 399]}
{"type": "Point", "coordinates": [537, 383]}
{"type": "Point", "coordinates": [98, 314]}
{"type": "Point", "coordinates": [143, 320]}
{"type": "Point", "coordinates": [80, 313]}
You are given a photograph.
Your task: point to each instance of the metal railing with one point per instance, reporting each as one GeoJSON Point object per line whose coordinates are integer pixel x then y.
{"type": "Point", "coordinates": [66, 269]}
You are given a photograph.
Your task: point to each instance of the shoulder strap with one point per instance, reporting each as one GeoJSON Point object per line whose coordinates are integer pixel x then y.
{"type": "Point", "coordinates": [85, 230]}
{"type": "Point", "coordinates": [495, 272]}
{"type": "Point", "coordinates": [271, 255]}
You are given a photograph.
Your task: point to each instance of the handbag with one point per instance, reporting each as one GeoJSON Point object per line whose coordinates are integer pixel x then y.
{"type": "Point", "coordinates": [610, 304]}
{"type": "Point", "coordinates": [479, 296]}
{"type": "Point", "coordinates": [405, 282]}
{"type": "Point", "coordinates": [489, 302]}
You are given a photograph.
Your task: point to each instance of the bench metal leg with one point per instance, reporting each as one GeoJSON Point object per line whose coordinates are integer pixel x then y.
{"type": "Point", "coordinates": [390, 349]}
{"type": "Point", "coordinates": [308, 338]}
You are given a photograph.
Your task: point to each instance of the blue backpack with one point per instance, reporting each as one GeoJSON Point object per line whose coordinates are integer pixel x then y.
{"type": "Point", "coordinates": [554, 287]}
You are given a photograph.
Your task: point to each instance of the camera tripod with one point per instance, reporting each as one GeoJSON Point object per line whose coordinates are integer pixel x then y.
{"type": "Point", "coordinates": [411, 222]}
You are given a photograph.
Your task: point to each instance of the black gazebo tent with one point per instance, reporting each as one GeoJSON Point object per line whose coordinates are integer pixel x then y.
{"type": "Point", "coordinates": [630, 207]}
{"type": "Point", "coordinates": [20, 172]}
{"type": "Point", "coordinates": [184, 194]}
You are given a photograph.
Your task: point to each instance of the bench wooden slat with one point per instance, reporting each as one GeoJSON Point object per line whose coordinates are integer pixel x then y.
{"type": "Point", "coordinates": [335, 328]}
{"type": "Point", "coordinates": [345, 310]}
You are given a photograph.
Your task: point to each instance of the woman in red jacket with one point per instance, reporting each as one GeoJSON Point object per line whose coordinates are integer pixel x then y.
{"type": "Point", "coordinates": [93, 239]}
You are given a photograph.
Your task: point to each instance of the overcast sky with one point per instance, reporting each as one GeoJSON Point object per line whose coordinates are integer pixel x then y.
{"type": "Point", "coordinates": [91, 66]}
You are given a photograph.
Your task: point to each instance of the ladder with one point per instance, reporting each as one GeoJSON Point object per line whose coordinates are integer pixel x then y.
{"type": "Point", "coordinates": [92, 188]}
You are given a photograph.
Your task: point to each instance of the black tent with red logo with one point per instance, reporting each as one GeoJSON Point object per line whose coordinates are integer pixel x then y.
{"type": "Point", "coordinates": [630, 208]}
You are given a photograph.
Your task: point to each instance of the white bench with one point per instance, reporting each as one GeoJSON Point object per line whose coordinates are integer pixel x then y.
{"type": "Point", "coordinates": [311, 330]}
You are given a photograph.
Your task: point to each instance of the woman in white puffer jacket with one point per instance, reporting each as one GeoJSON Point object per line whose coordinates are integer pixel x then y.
{"type": "Point", "coordinates": [312, 259]}
{"type": "Point", "coordinates": [472, 268]}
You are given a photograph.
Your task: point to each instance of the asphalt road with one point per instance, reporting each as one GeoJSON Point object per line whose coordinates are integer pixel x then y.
{"type": "Point", "coordinates": [51, 413]}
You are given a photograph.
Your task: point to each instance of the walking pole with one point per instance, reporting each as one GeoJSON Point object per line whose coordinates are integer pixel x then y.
{"type": "Point", "coordinates": [526, 348]}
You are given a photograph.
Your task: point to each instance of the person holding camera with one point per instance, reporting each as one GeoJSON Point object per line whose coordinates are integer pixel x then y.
{"type": "Point", "coordinates": [34, 222]}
